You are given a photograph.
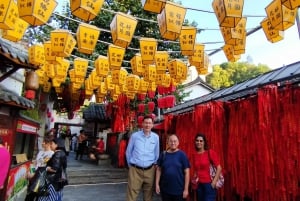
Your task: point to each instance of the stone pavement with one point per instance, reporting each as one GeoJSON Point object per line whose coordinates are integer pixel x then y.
{"type": "Point", "coordinates": [89, 181]}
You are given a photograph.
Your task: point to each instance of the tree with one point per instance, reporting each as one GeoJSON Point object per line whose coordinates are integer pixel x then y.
{"type": "Point", "coordinates": [228, 74]}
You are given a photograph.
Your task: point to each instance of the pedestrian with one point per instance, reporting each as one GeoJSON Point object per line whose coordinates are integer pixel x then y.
{"type": "Point", "coordinates": [67, 138]}
{"type": "Point", "coordinates": [201, 159]}
{"type": "Point", "coordinates": [81, 144]}
{"type": "Point", "coordinates": [173, 172]}
{"type": "Point", "coordinates": [56, 168]}
{"type": "Point", "coordinates": [40, 164]}
{"type": "Point", "coordinates": [4, 165]}
{"type": "Point", "coordinates": [142, 154]}
{"type": "Point", "coordinates": [100, 146]}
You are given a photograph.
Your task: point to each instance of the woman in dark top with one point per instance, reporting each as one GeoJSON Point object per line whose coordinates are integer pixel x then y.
{"type": "Point", "coordinates": [56, 167]}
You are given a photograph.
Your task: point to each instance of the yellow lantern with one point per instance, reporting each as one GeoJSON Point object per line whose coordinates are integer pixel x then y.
{"type": "Point", "coordinates": [56, 82]}
{"type": "Point", "coordinates": [85, 9]}
{"type": "Point", "coordinates": [133, 82]}
{"type": "Point", "coordinates": [280, 16]}
{"type": "Point", "coordinates": [58, 90]}
{"type": "Point", "coordinates": [80, 66]}
{"type": "Point", "coordinates": [49, 55]}
{"type": "Point", "coordinates": [102, 89]}
{"type": "Point", "coordinates": [87, 37]}
{"type": "Point", "coordinates": [8, 14]}
{"type": "Point", "coordinates": [240, 45]}
{"type": "Point", "coordinates": [36, 12]}
{"type": "Point", "coordinates": [198, 56]}
{"type": "Point", "coordinates": [137, 66]}
{"type": "Point", "coordinates": [49, 69]}
{"type": "Point", "coordinates": [150, 73]}
{"type": "Point", "coordinates": [79, 79]}
{"type": "Point", "coordinates": [143, 86]}
{"type": "Point", "coordinates": [36, 55]}
{"type": "Point", "coordinates": [122, 29]}
{"type": "Point", "coordinates": [75, 86]}
{"type": "Point", "coordinates": [115, 56]}
{"type": "Point", "coordinates": [170, 20]}
{"type": "Point", "coordinates": [119, 76]}
{"type": "Point", "coordinates": [108, 83]}
{"type": "Point", "coordinates": [42, 76]}
{"type": "Point", "coordinates": [152, 86]}
{"type": "Point", "coordinates": [166, 80]}
{"type": "Point", "coordinates": [154, 6]}
{"type": "Point", "coordinates": [176, 68]}
{"type": "Point", "coordinates": [228, 12]}
{"type": "Point", "coordinates": [95, 79]}
{"type": "Point", "coordinates": [130, 95]}
{"type": "Point", "coordinates": [273, 35]}
{"type": "Point", "coordinates": [47, 86]}
{"type": "Point", "coordinates": [229, 53]}
{"type": "Point", "coordinates": [17, 33]}
{"type": "Point", "coordinates": [161, 61]}
{"type": "Point", "coordinates": [102, 66]}
{"type": "Point", "coordinates": [148, 48]}
{"type": "Point", "coordinates": [62, 67]}
{"type": "Point", "coordinates": [187, 40]}
{"type": "Point", "coordinates": [62, 42]}
{"type": "Point", "coordinates": [230, 35]}
{"type": "Point", "coordinates": [291, 4]}
{"type": "Point", "coordinates": [72, 75]}
{"type": "Point", "coordinates": [124, 88]}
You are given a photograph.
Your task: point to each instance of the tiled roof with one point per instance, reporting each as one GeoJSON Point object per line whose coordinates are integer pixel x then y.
{"type": "Point", "coordinates": [14, 52]}
{"type": "Point", "coordinates": [95, 112]}
{"type": "Point", "coordinates": [289, 73]}
{"type": "Point", "coordinates": [8, 97]}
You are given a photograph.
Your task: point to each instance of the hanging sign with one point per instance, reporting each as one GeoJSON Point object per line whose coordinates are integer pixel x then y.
{"type": "Point", "coordinates": [187, 40]}
{"type": "Point", "coordinates": [36, 12]}
{"type": "Point", "coordinates": [161, 60]}
{"type": "Point", "coordinates": [273, 35]}
{"type": "Point", "coordinates": [87, 37]}
{"type": "Point", "coordinates": [122, 29]}
{"type": "Point", "coordinates": [154, 6]}
{"type": "Point", "coordinates": [228, 12]}
{"type": "Point", "coordinates": [115, 56]}
{"type": "Point", "coordinates": [137, 66]}
{"type": "Point", "coordinates": [148, 48]}
{"type": "Point", "coordinates": [102, 66]}
{"type": "Point", "coordinates": [170, 20]}
{"type": "Point", "coordinates": [17, 33]}
{"type": "Point", "coordinates": [62, 42]}
{"type": "Point", "coordinates": [8, 14]}
{"type": "Point", "coordinates": [36, 55]}
{"type": "Point", "coordinates": [80, 67]}
{"type": "Point", "coordinates": [85, 9]}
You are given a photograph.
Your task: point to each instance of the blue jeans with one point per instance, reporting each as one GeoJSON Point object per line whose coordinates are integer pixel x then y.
{"type": "Point", "coordinates": [205, 192]}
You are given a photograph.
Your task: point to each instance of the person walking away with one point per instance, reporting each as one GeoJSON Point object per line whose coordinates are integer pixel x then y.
{"type": "Point", "coordinates": [206, 190]}
{"type": "Point", "coordinates": [55, 168]}
{"type": "Point", "coordinates": [173, 172]}
{"type": "Point", "coordinates": [68, 141]}
{"type": "Point", "coordinates": [142, 154]}
{"type": "Point", "coordinates": [40, 163]}
{"type": "Point", "coordinates": [81, 144]}
{"type": "Point", "coordinates": [4, 166]}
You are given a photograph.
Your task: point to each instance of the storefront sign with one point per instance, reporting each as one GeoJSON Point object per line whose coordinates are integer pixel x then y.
{"type": "Point", "coordinates": [23, 127]}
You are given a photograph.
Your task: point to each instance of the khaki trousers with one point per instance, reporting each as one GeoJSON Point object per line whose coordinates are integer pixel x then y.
{"type": "Point", "coordinates": [140, 180]}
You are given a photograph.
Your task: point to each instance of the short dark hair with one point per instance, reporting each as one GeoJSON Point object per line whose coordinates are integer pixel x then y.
{"type": "Point", "coordinates": [148, 117]}
{"type": "Point", "coordinates": [81, 131]}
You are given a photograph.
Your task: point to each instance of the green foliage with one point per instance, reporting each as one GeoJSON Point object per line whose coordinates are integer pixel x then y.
{"type": "Point", "coordinates": [32, 114]}
{"type": "Point", "coordinates": [228, 74]}
{"type": "Point", "coordinates": [180, 94]}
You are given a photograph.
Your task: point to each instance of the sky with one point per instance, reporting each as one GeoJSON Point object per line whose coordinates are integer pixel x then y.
{"type": "Point", "coordinates": [262, 51]}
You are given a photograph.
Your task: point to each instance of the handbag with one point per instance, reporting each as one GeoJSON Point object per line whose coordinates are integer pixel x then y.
{"type": "Point", "coordinates": [212, 172]}
{"type": "Point", "coordinates": [39, 183]}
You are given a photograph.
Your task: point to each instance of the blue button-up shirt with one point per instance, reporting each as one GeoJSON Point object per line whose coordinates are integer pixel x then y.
{"type": "Point", "coordinates": [143, 150]}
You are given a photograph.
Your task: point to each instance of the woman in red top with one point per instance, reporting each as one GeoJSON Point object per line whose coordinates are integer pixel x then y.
{"type": "Point", "coordinates": [206, 190]}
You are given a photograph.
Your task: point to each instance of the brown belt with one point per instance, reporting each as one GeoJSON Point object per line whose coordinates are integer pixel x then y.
{"type": "Point", "coordinates": [141, 168]}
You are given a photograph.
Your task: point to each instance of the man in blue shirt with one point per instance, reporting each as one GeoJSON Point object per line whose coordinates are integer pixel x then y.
{"type": "Point", "coordinates": [142, 154]}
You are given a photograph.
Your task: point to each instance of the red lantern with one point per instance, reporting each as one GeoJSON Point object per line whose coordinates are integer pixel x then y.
{"type": "Point", "coordinates": [141, 108]}
{"type": "Point", "coordinates": [161, 103]}
{"type": "Point", "coordinates": [151, 94]}
{"type": "Point", "coordinates": [152, 116]}
{"type": "Point", "coordinates": [170, 101]}
{"type": "Point", "coordinates": [48, 114]}
{"type": "Point", "coordinates": [140, 121]}
{"type": "Point", "coordinates": [161, 90]}
{"type": "Point", "coordinates": [30, 94]}
{"type": "Point", "coordinates": [151, 106]}
{"type": "Point", "coordinates": [172, 88]}
{"type": "Point", "coordinates": [52, 119]}
{"type": "Point", "coordinates": [141, 97]}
